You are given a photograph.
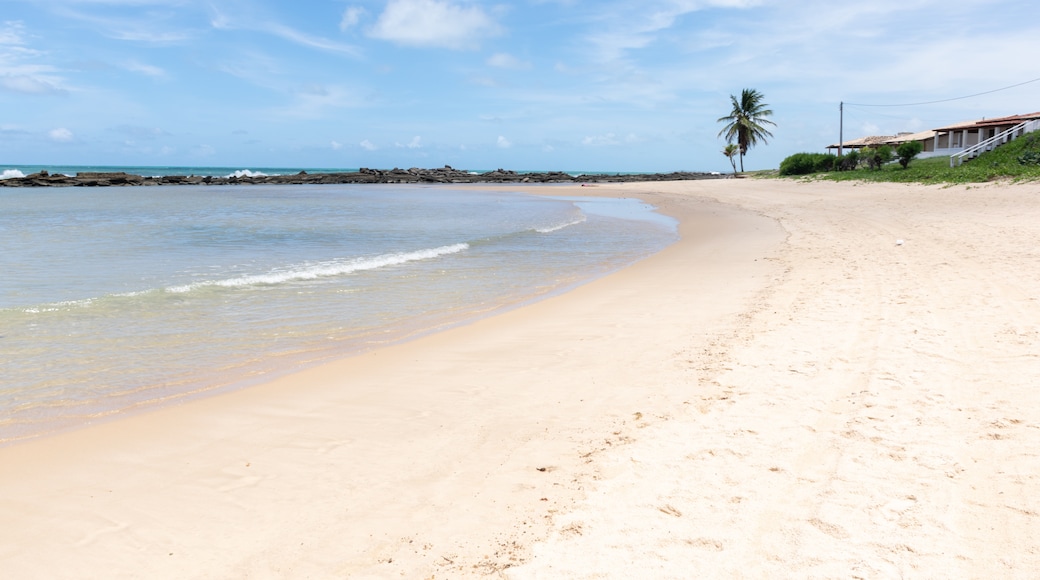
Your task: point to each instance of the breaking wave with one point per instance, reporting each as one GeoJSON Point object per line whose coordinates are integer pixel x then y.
{"type": "Point", "coordinates": [325, 269]}
{"type": "Point", "coordinates": [246, 173]}
{"type": "Point", "coordinates": [550, 229]}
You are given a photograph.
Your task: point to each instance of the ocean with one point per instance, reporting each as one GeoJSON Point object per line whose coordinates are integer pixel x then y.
{"type": "Point", "coordinates": [9, 171]}
{"type": "Point", "coordinates": [118, 299]}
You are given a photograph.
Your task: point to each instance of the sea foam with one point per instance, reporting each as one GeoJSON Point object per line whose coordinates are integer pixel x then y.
{"type": "Point", "coordinates": [325, 269]}
{"type": "Point", "coordinates": [558, 227]}
{"type": "Point", "coordinates": [11, 174]}
{"type": "Point", "coordinates": [246, 173]}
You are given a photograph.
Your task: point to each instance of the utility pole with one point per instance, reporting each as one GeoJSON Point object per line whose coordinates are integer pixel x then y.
{"type": "Point", "coordinates": [841, 125]}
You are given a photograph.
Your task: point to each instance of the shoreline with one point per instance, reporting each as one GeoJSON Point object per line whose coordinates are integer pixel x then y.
{"type": "Point", "coordinates": [784, 391]}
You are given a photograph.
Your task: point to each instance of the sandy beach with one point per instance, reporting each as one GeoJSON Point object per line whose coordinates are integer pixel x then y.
{"type": "Point", "coordinates": [819, 380]}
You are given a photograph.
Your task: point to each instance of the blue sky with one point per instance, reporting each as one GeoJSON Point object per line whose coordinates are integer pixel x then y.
{"type": "Point", "coordinates": [613, 85]}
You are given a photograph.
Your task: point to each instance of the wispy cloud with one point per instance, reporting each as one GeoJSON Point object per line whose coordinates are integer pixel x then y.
{"type": "Point", "coordinates": [316, 42]}
{"type": "Point", "coordinates": [315, 101]}
{"type": "Point", "coordinates": [19, 73]}
{"type": "Point", "coordinates": [61, 135]}
{"type": "Point", "coordinates": [221, 20]}
{"type": "Point", "coordinates": [507, 61]}
{"type": "Point", "coordinates": [608, 139]}
{"type": "Point", "coordinates": [415, 143]}
{"type": "Point", "coordinates": [434, 23]}
{"type": "Point", "coordinates": [147, 27]}
{"type": "Point", "coordinates": [12, 33]}
{"type": "Point", "coordinates": [144, 69]}
{"type": "Point", "coordinates": [628, 25]}
{"type": "Point", "coordinates": [351, 17]}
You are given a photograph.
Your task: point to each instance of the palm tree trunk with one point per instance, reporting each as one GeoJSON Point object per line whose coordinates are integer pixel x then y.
{"type": "Point", "coordinates": [742, 162]}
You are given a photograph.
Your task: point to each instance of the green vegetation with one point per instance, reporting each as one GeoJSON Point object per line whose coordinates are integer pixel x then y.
{"type": "Point", "coordinates": [806, 163]}
{"type": "Point", "coordinates": [1018, 160]}
{"type": "Point", "coordinates": [876, 157]}
{"type": "Point", "coordinates": [746, 122]}
{"type": "Point", "coordinates": [907, 151]}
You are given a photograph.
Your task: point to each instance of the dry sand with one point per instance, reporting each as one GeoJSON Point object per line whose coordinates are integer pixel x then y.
{"type": "Point", "coordinates": [787, 392]}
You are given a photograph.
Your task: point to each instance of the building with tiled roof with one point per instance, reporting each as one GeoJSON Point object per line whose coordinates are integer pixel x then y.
{"type": "Point", "coordinates": [947, 140]}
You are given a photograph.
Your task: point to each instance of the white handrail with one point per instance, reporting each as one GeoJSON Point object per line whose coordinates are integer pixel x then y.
{"type": "Point", "coordinates": [993, 142]}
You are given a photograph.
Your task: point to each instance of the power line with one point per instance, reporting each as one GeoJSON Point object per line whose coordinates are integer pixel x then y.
{"type": "Point", "coordinates": [948, 100]}
{"type": "Point", "coordinates": [841, 106]}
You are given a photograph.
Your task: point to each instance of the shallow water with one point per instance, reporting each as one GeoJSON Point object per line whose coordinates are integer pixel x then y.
{"type": "Point", "coordinates": [116, 298]}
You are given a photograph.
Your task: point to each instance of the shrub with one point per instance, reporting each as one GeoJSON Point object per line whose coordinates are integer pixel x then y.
{"type": "Point", "coordinates": [1030, 150]}
{"type": "Point", "coordinates": [797, 164]}
{"type": "Point", "coordinates": [806, 163]}
{"type": "Point", "coordinates": [848, 161]}
{"type": "Point", "coordinates": [1029, 158]}
{"type": "Point", "coordinates": [823, 162]}
{"type": "Point", "coordinates": [877, 156]}
{"type": "Point", "coordinates": [907, 151]}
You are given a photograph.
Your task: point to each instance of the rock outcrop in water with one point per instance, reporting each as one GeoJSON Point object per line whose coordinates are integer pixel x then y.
{"type": "Point", "coordinates": [447, 174]}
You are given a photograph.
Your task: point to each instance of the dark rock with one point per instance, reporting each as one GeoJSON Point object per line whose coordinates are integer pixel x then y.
{"type": "Point", "coordinates": [446, 174]}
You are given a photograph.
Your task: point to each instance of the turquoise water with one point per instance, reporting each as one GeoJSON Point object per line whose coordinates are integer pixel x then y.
{"type": "Point", "coordinates": [157, 171]}
{"type": "Point", "coordinates": [114, 299]}
{"type": "Point", "coordinates": [16, 170]}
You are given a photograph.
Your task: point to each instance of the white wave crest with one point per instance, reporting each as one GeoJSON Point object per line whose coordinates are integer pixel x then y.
{"type": "Point", "coordinates": [325, 269]}
{"type": "Point", "coordinates": [556, 228]}
{"type": "Point", "coordinates": [246, 173]}
{"type": "Point", "coordinates": [11, 174]}
{"type": "Point", "coordinates": [58, 306]}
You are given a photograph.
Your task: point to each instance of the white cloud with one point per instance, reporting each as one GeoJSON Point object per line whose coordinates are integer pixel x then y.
{"type": "Point", "coordinates": [503, 60]}
{"type": "Point", "coordinates": [415, 143]}
{"type": "Point", "coordinates": [317, 101]}
{"type": "Point", "coordinates": [351, 17]}
{"type": "Point", "coordinates": [368, 145]}
{"type": "Point", "coordinates": [608, 139]}
{"type": "Point", "coordinates": [151, 26]}
{"type": "Point", "coordinates": [504, 143]}
{"type": "Point", "coordinates": [309, 41]}
{"type": "Point", "coordinates": [30, 84]}
{"type": "Point", "coordinates": [221, 21]}
{"type": "Point", "coordinates": [13, 33]}
{"type": "Point", "coordinates": [203, 151]}
{"type": "Point", "coordinates": [17, 73]}
{"type": "Point", "coordinates": [145, 69]}
{"type": "Point", "coordinates": [60, 135]}
{"type": "Point", "coordinates": [636, 25]}
{"type": "Point", "coordinates": [336, 146]}
{"type": "Point", "coordinates": [434, 23]}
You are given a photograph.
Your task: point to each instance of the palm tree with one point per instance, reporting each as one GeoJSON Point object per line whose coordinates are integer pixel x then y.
{"type": "Point", "coordinates": [745, 122]}
{"type": "Point", "coordinates": [731, 151]}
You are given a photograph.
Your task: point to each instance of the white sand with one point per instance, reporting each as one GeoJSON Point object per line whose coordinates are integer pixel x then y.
{"type": "Point", "coordinates": [785, 393]}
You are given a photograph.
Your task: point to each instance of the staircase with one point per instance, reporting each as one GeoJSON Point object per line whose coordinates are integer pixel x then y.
{"type": "Point", "coordinates": [994, 142]}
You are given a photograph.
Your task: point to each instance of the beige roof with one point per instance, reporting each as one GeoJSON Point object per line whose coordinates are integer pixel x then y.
{"type": "Point", "coordinates": [919, 136]}
{"type": "Point", "coordinates": [996, 121]}
{"type": "Point", "coordinates": [863, 142]}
